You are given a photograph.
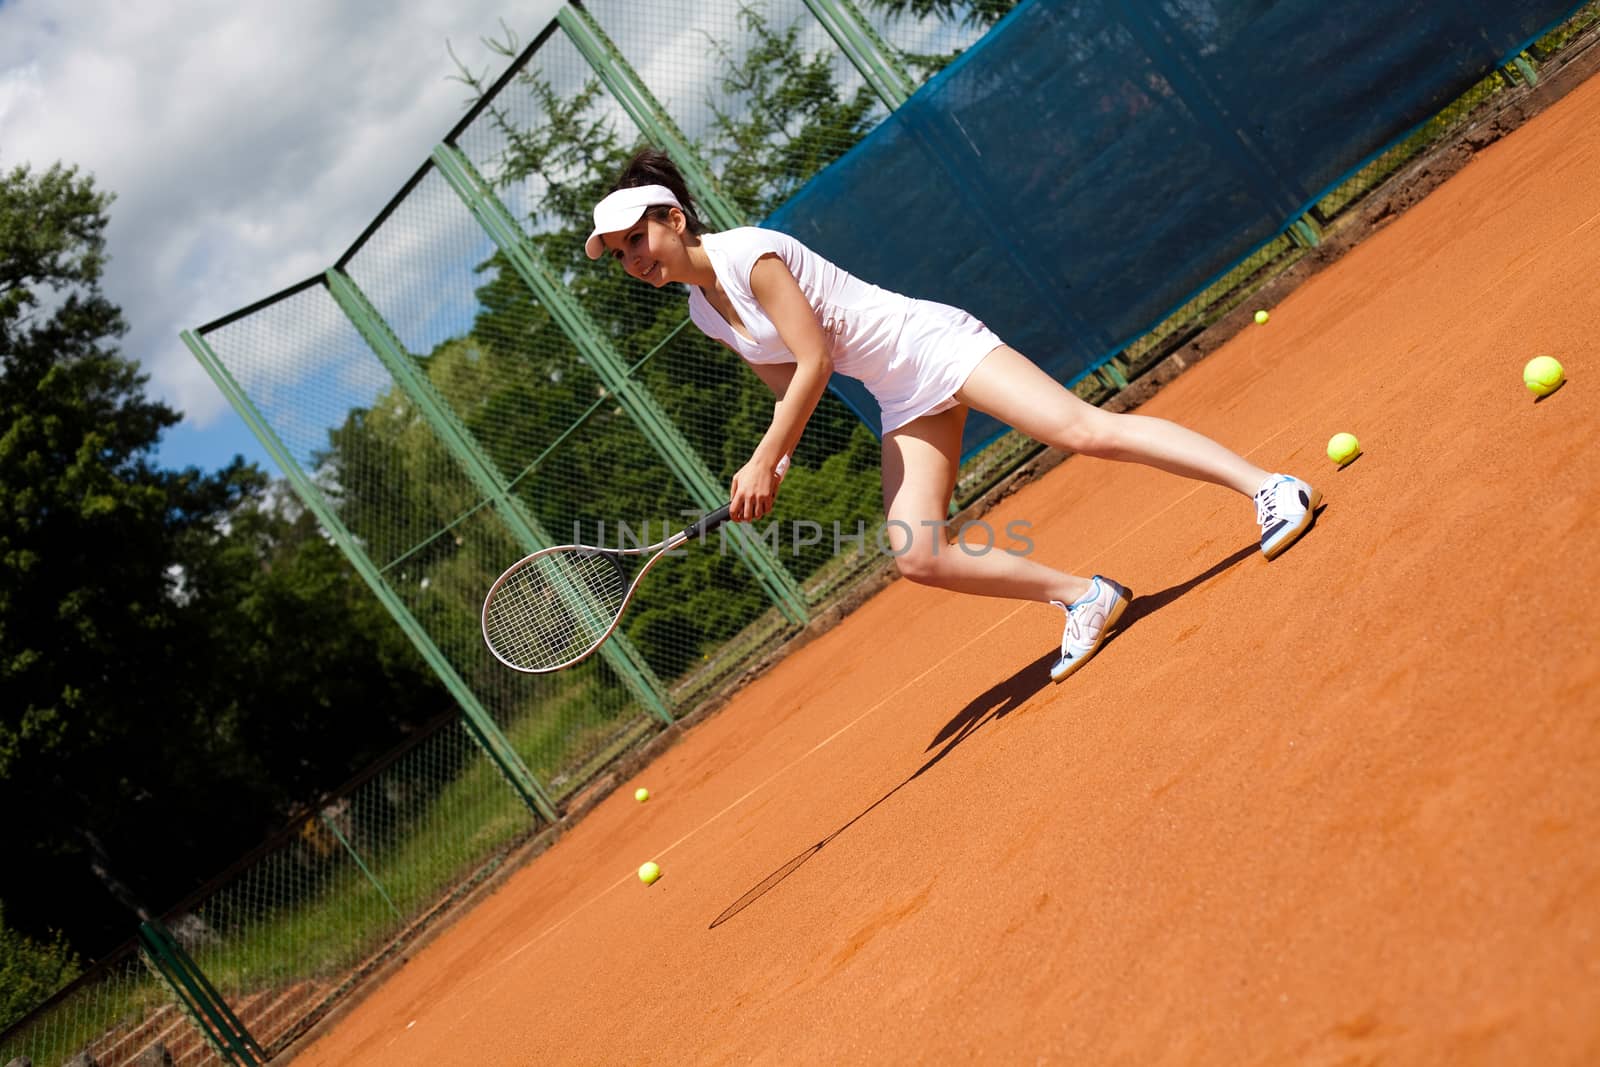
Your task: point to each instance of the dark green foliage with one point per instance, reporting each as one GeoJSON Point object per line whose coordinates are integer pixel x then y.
{"type": "Point", "coordinates": [975, 15]}
{"type": "Point", "coordinates": [183, 656]}
{"type": "Point", "coordinates": [781, 118]}
{"type": "Point", "coordinates": [983, 13]}
{"type": "Point", "coordinates": [30, 971]}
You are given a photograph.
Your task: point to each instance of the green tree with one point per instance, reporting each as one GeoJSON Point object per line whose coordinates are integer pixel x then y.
{"type": "Point", "coordinates": [30, 971]}
{"type": "Point", "coordinates": [781, 118]}
{"type": "Point", "coordinates": [984, 13]}
{"type": "Point", "coordinates": [182, 656]}
{"type": "Point", "coordinates": [309, 678]}
{"type": "Point", "coordinates": [967, 14]}
{"type": "Point", "coordinates": [87, 599]}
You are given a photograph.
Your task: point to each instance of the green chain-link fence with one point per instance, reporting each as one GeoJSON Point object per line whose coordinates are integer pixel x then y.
{"type": "Point", "coordinates": [463, 386]}
{"type": "Point", "coordinates": [114, 1012]}
{"type": "Point", "coordinates": [271, 945]}
{"type": "Point", "coordinates": [287, 934]}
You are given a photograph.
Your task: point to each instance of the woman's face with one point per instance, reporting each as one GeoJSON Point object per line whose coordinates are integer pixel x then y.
{"type": "Point", "coordinates": [650, 250]}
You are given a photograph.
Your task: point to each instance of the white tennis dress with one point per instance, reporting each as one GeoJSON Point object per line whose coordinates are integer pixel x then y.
{"type": "Point", "coordinates": [912, 355]}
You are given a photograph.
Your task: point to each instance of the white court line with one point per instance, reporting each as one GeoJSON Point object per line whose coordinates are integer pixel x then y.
{"type": "Point", "coordinates": [1590, 221]}
{"type": "Point", "coordinates": [1536, 252]}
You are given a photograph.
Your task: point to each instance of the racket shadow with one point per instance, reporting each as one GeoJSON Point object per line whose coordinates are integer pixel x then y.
{"type": "Point", "coordinates": [994, 703]}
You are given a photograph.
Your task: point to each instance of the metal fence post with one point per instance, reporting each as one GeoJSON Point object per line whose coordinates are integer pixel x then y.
{"type": "Point", "coordinates": [361, 864]}
{"type": "Point", "coordinates": [646, 111]}
{"type": "Point", "coordinates": [867, 52]}
{"type": "Point", "coordinates": [1523, 65]}
{"type": "Point", "coordinates": [221, 1028]}
{"type": "Point", "coordinates": [497, 747]}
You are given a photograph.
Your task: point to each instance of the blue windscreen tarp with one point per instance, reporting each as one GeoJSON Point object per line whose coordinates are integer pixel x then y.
{"type": "Point", "coordinates": [1091, 165]}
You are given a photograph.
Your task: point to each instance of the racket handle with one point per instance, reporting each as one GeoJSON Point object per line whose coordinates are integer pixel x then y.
{"type": "Point", "coordinates": [709, 523]}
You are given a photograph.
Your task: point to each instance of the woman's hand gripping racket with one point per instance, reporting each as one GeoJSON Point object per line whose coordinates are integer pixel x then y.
{"type": "Point", "coordinates": [554, 608]}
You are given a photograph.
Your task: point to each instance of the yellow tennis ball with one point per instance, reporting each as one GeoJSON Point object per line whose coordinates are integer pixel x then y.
{"type": "Point", "coordinates": [641, 794]}
{"type": "Point", "coordinates": [1343, 447]}
{"type": "Point", "coordinates": [1261, 318]}
{"type": "Point", "coordinates": [1543, 375]}
{"type": "Point", "coordinates": [649, 872]}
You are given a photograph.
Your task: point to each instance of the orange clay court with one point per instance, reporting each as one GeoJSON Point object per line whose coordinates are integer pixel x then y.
{"type": "Point", "coordinates": [1339, 808]}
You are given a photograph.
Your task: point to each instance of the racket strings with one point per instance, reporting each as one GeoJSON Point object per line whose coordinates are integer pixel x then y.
{"type": "Point", "coordinates": [555, 608]}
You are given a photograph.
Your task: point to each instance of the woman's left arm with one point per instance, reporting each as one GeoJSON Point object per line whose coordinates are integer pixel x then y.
{"type": "Point", "coordinates": [755, 485]}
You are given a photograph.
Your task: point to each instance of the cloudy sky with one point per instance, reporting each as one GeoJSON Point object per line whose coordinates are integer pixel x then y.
{"type": "Point", "coordinates": [248, 145]}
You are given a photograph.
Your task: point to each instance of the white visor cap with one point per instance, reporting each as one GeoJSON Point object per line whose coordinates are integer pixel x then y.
{"type": "Point", "coordinates": [621, 209]}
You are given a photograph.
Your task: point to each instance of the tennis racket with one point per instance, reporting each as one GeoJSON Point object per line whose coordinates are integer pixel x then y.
{"type": "Point", "coordinates": [552, 609]}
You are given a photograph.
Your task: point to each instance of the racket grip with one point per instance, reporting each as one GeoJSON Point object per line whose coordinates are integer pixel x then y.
{"type": "Point", "coordinates": [708, 524]}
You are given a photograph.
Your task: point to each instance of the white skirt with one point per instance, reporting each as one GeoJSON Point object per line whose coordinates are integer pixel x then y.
{"type": "Point", "coordinates": [938, 348]}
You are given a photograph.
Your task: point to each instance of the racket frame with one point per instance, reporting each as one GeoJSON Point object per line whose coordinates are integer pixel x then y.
{"type": "Point", "coordinates": [692, 532]}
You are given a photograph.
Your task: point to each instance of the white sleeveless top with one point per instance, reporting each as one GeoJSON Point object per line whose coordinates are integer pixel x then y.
{"type": "Point", "coordinates": [912, 355]}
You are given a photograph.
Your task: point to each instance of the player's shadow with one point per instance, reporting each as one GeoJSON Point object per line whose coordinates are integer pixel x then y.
{"type": "Point", "coordinates": [1143, 607]}
{"type": "Point", "coordinates": [996, 702]}
{"type": "Point", "coordinates": [993, 704]}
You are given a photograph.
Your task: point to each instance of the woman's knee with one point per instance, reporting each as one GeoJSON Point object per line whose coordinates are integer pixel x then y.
{"type": "Point", "coordinates": [1092, 433]}
{"type": "Point", "coordinates": [918, 566]}
{"type": "Point", "coordinates": [917, 551]}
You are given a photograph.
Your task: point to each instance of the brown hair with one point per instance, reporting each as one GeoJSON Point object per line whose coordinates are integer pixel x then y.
{"type": "Point", "coordinates": [651, 166]}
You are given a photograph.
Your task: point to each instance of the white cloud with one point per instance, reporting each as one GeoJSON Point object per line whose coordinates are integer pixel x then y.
{"type": "Point", "coordinates": [247, 144]}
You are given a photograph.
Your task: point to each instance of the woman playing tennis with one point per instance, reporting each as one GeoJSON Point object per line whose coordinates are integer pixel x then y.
{"type": "Point", "coordinates": [796, 318]}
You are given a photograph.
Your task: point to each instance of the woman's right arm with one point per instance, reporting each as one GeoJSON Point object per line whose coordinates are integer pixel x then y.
{"type": "Point", "coordinates": [777, 376]}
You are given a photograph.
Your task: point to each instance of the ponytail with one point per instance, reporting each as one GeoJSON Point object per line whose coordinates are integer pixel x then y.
{"type": "Point", "coordinates": [651, 166]}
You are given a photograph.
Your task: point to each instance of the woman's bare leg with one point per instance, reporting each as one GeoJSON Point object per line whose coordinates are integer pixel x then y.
{"type": "Point", "coordinates": [1014, 390]}
{"type": "Point", "coordinates": [920, 462]}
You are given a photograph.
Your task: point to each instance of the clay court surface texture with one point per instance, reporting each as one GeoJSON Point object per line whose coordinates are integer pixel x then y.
{"type": "Point", "coordinates": [1338, 808]}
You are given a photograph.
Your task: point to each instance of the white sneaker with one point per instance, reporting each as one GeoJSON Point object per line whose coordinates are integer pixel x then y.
{"type": "Point", "coordinates": [1089, 620]}
{"type": "Point", "coordinates": [1285, 508]}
